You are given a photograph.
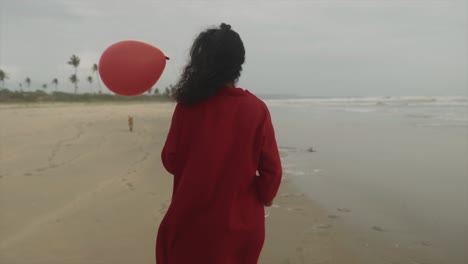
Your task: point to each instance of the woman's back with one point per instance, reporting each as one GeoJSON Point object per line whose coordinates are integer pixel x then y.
{"type": "Point", "coordinates": [218, 140]}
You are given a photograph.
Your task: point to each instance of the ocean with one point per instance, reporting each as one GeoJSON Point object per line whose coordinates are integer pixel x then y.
{"type": "Point", "coordinates": [393, 171]}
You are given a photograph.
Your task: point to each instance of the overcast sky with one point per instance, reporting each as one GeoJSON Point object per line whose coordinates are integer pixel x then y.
{"type": "Point", "coordinates": [312, 48]}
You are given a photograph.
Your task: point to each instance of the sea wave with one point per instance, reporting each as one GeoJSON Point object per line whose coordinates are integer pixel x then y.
{"type": "Point", "coordinates": [373, 101]}
{"type": "Point", "coordinates": [442, 111]}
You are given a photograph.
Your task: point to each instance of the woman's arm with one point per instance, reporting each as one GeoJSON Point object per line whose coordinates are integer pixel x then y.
{"type": "Point", "coordinates": [168, 154]}
{"type": "Point", "coordinates": [270, 171]}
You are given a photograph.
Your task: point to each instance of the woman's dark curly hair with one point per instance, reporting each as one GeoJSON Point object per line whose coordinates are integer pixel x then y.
{"type": "Point", "coordinates": [216, 59]}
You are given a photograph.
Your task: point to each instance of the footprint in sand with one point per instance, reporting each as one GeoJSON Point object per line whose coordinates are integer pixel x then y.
{"type": "Point", "coordinates": [311, 150]}
{"type": "Point", "coordinates": [378, 229]}
{"type": "Point", "coordinates": [333, 216]}
{"type": "Point", "coordinates": [1, 176]}
{"type": "Point", "coordinates": [27, 174]}
{"type": "Point", "coordinates": [163, 208]}
{"type": "Point", "coordinates": [130, 186]}
{"type": "Point", "coordinates": [318, 228]}
{"type": "Point", "coordinates": [323, 226]}
{"type": "Point", "coordinates": [426, 244]}
{"type": "Point", "coordinates": [300, 253]}
{"type": "Point", "coordinates": [343, 210]}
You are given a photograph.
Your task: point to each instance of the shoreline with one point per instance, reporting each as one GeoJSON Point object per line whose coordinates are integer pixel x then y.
{"type": "Point", "coordinates": [300, 231]}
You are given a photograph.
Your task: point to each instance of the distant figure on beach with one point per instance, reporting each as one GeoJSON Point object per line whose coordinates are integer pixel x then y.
{"type": "Point", "coordinates": [219, 137]}
{"type": "Point", "coordinates": [130, 123]}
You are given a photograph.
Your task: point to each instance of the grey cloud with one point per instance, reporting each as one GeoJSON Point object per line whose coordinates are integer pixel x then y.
{"type": "Point", "coordinates": [19, 10]}
{"type": "Point", "coordinates": [305, 47]}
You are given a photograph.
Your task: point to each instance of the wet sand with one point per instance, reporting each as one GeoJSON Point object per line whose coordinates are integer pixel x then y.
{"type": "Point", "coordinates": [77, 187]}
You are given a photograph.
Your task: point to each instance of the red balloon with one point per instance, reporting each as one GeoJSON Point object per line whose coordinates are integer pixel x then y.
{"type": "Point", "coordinates": [131, 67]}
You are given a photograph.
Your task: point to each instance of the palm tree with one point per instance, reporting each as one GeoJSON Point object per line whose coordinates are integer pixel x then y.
{"type": "Point", "coordinates": [55, 82]}
{"type": "Point", "coordinates": [167, 92]}
{"type": "Point", "coordinates": [44, 86]}
{"type": "Point", "coordinates": [74, 80]}
{"type": "Point", "coordinates": [96, 71]}
{"type": "Point", "coordinates": [149, 91]}
{"type": "Point", "coordinates": [172, 89]}
{"type": "Point", "coordinates": [28, 82]}
{"type": "Point", "coordinates": [3, 77]}
{"type": "Point", "coordinates": [90, 80]}
{"type": "Point", "coordinates": [75, 62]}
{"type": "Point", "coordinates": [20, 86]}
{"type": "Point", "coordinates": [156, 91]}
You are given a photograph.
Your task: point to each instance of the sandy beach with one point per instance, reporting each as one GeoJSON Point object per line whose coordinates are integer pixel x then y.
{"type": "Point", "coordinates": [77, 187]}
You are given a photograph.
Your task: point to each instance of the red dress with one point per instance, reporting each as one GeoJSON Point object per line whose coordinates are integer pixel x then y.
{"type": "Point", "coordinates": [214, 149]}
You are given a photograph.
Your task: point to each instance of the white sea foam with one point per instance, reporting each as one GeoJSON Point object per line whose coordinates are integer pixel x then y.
{"type": "Point", "coordinates": [373, 101]}
{"type": "Point", "coordinates": [360, 110]}
{"type": "Point", "coordinates": [294, 172]}
{"type": "Point", "coordinates": [449, 110]}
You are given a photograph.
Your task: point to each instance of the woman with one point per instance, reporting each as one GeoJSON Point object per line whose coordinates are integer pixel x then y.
{"type": "Point", "coordinates": [220, 136]}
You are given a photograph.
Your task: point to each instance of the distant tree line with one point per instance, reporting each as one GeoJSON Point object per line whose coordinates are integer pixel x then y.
{"type": "Point", "coordinates": [9, 96]}
{"type": "Point", "coordinates": [74, 79]}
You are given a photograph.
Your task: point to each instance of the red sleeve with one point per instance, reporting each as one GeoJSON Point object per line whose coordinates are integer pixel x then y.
{"type": "Point", "coordinates": [169, 152]}
{"type": "Point", "coordinates": [269, 167]}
